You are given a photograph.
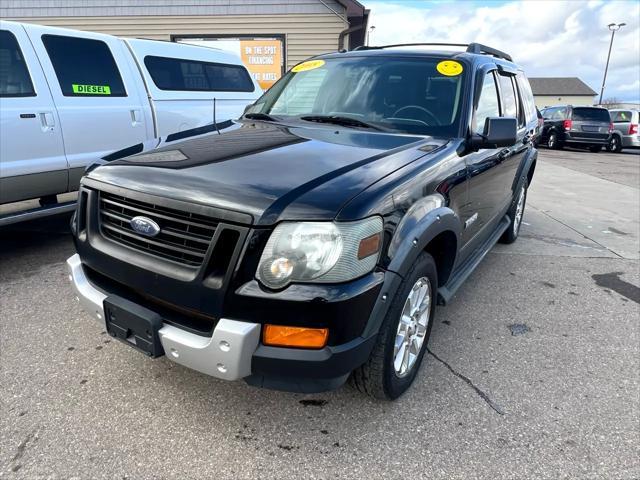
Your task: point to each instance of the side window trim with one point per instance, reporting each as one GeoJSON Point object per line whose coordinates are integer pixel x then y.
{"type": "Point", "coordinates": [33, 92]}
{"type": "Point", "coordinates": [491, 71]}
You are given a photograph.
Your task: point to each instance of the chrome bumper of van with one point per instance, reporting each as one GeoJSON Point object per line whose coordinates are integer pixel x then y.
{"type": "Point", "coordinates": [226, 354]}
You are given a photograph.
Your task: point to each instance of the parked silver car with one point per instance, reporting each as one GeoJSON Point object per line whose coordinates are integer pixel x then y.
{"type": "Point", "coordinates": [625, 129]}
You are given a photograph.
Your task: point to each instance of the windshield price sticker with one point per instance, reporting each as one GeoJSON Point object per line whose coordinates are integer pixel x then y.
{"type": "Point", "coordinates": [449, 68]}
{"type": "Point", "coordinates": [310, 65]}
{"type": "Point", "coordinates": [91, 89]}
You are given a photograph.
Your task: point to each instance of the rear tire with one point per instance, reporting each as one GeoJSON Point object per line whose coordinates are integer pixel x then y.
{"type": "Point", "coordinates": [553, 142]}
{"type": "Point", "coordinates": [516, 213]}
{"type": "Point", "coordinates": [383, 375]}
{"type": "Point", "coordinates": [615, 144]}
{"type": "Point", "coordinates": [595, 148]}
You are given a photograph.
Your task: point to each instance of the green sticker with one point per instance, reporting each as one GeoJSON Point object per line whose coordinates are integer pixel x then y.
{"type": "Point", "coordinates": [91, 89]}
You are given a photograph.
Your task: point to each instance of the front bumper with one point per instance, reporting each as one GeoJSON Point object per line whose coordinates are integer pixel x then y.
{"type": "Point", "coordinates": [226, 354]}
{"type": "Point", "coordinates": [234, 351]}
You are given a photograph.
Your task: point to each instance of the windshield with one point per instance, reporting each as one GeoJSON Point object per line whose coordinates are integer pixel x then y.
{"type": "Point", "coordinates": [591, 114]}
{"type": "Point", "coordinates": [404, 95]}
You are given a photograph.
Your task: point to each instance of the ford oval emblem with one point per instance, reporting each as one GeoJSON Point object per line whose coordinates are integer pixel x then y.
{"type": "Point", "coordinates": [145, 226]}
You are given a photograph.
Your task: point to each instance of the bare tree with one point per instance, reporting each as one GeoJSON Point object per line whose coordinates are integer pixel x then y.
{"type": "Point", "coordinates": [610, 101]}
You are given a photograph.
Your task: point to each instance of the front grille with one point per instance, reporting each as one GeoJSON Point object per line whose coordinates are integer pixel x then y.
{"type": "Point", "coordinates": [184, 236]}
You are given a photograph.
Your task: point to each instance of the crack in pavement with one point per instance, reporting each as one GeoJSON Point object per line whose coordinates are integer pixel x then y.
{"type": "Point", "coordinates": [497, 408]}
{"type": "Point", "coordinates": [577, 231]}
{"type": "Point", "coordinates": [23, 446]}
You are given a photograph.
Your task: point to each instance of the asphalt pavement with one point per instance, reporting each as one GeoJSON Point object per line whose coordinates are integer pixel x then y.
{"type": "Point", "coordinates": [533, 369]}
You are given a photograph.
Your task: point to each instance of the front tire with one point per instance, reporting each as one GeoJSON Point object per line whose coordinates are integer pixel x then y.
{"type": "Point", "coordinates": [402, 340]}
{"type": "Point", "coordinates": [516, 212]}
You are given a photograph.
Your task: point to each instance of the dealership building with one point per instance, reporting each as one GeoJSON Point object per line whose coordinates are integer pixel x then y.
{"type": "Point", "coordinates": [269, 35]}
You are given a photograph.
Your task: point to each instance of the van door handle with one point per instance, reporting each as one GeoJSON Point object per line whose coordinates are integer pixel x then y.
{"type": "Point", "coordinates": [503, 154]}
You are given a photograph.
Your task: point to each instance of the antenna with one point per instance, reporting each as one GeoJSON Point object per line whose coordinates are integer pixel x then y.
{"type": "Point", "coordinates": [215, 124]}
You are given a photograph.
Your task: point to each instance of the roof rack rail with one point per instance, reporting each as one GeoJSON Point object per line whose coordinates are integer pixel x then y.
{"type": "Point", "coordinates": [477, 48]}
{"type": "Point", "coordinates": [380, 47]}
{"type": "Point", "coordinates": [480, 48]}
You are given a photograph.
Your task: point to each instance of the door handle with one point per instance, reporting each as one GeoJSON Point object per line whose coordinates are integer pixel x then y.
{"type": "Point", "coordinates": [47, 121]}
{"type": "Point", "coordinates": [135, 117]}
{"type": "Point", "coordinates": [504, 153]}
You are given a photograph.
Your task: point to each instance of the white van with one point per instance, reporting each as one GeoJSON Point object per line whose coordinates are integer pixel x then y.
{"type": "Point", "coordinates": [69, 98]}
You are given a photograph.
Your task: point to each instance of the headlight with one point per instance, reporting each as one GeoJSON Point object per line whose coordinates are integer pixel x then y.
{"type": "Point", "coordinates": [320, 252]}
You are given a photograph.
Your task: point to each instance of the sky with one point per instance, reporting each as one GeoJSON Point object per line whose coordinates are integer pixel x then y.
{"type": "Point", "coordinates": [548, 38]}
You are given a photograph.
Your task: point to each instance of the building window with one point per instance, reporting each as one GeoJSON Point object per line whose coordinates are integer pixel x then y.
{"type": "Point", "coordinates": [264, 56]}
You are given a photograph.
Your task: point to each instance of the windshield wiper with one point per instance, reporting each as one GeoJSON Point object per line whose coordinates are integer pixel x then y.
{"type": "Point", "coordinates": [260, 116]}
{"type": "Point", "coordinates": [338, 120]}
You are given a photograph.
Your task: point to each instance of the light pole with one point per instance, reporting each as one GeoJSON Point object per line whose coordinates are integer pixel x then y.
{"type": "Point", "coordinates": [369, 32]}
{"type": "Point", "coordinates": [614, 28]}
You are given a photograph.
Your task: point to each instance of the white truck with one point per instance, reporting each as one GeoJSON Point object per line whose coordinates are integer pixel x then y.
{"type": "Point", "coordinates": [69, 98]}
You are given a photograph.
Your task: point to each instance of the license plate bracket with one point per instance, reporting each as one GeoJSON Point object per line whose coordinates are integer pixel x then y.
{"type": "Point", "coordinates": [134, 325]}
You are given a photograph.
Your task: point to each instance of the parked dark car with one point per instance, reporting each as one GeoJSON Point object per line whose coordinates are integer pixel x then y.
{"type": "Point", "coordinates": [311, 240]}
{"type": "Point", "coordinates": [581, 127]}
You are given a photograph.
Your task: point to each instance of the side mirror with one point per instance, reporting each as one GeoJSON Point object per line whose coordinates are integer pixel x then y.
{"type": "Point", "coordinates": [498, 132]}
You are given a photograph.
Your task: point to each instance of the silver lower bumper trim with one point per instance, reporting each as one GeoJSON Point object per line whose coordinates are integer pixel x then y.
{"type": "Point", "coordinates": [226, 354]}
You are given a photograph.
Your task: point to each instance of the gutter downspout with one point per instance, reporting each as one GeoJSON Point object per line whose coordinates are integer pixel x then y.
{"type": "Point", "coordinates": [346, 32]}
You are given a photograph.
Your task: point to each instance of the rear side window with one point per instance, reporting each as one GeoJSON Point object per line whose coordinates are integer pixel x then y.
{"type": "Point", "coordinates": [526, 95]}
{"type": "Point", "coordinates": [84, 67]}
{"type": "Point", "coordinates": [487, 103]}
{"type": "Point", "coordinates": [196, 76]}
{"type": "Point", "coordinates": [14, 75]}
{"type": "Point", "coordinates": [582, 114]}
{"type": "Point", "coordinates": [509, 99]}
{"type": "Point", "coordinates": [623, 116]}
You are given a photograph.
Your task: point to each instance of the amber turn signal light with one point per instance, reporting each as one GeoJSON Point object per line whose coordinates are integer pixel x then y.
{"type": "Point", "coordinates": [301, 337]}
{"type": "Point", "coordinates": [369, 246]}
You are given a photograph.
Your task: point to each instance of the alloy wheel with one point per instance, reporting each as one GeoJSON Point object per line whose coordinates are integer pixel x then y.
{"type": "Point", "coordinates": [412, 327]}
{"type": "Point", "coordinates": [519, 211]}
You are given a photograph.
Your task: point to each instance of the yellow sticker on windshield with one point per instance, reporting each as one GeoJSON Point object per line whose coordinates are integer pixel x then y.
{"type": "Point", "coordinates": [310, 65]}
{"type": "Point", "coordinates": [449, 68]}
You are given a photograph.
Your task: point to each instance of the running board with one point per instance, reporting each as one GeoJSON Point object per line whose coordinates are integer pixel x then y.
{"type": "Point", "coordinates": [34, 213]}
{"type": "Point", "coordinates": [458, 277]}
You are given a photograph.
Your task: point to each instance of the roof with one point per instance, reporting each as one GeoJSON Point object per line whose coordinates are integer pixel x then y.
{"type": "Point", "coordinates": [562, 86]}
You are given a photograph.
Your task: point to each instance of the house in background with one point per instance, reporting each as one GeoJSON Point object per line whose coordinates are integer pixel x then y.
{"type": "Point", "coordinates": [548, 91]}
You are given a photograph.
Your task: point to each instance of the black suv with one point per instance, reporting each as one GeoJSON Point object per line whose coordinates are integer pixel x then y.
{"type": "Point", "coordinates": [582, 127]}
{"type": "Point", "coordinates": [310, 240]}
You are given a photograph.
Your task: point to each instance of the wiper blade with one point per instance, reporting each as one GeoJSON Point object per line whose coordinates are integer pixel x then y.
{"type": "Point", "coordinates": [338, 120]}
{"type": "Point", "coordinates": [260, 116]}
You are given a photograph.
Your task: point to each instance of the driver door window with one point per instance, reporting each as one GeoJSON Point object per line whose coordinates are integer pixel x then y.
{"type": "Point", "coordinates": [488, 105]}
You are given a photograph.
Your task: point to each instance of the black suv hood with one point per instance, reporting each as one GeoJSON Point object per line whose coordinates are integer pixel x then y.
{"type": "Point", "coordinates": [269, 171]}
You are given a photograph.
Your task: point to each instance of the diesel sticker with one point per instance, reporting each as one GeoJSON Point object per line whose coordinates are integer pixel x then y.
{"type": "Point", "coordinates": [91, 89]}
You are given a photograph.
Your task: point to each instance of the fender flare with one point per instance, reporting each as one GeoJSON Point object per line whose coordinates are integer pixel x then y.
{"type": "Point", "coordinates": [523, 170]}
{"type": "Point", "coordinates": [411, 237]}
{"type": "Point", "coordinates": [414, 234]}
